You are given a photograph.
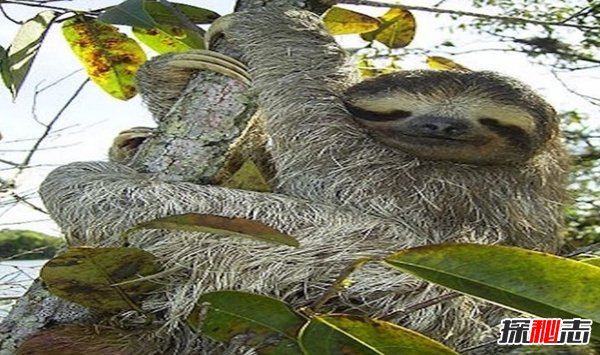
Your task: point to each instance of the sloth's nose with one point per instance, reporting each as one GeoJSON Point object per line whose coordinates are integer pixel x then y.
{"type": "Point", "coordinates": [440, 126]}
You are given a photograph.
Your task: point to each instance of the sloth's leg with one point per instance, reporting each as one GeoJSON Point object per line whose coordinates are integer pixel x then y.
{"type": "Point", "coordinates": [162, 79]}
{"type": "Point", "coordinates": [179, 67]}
{"type": "Point", "coordinates": [126, 143]}
{"type": "Point", "coordinates": [101, 199]}
{"type": "Point", "coordinates": [161, 82]}
{"type": "Point", "coordinates": [298, 75]}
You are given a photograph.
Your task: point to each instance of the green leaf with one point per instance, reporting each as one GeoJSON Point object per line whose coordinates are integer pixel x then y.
{"type": "Point", "coordinates": [166, 39]}
{"type": "Point", "coordinates": [396, 31]}
{"type": "Point", "coordinates": [542, 284]}
{"type": "Point", "coordinates": [89, 277]}
{"type": "Point", "coordinates": [340, 21]}
{"type": "Point", "coordinates": [592, 261]}
{"type": "Point", "coordinates": [172, 34]}
{"type": "Point", "coordinates": [24, 49]}
{"type": "Point", "coordinates": [248, 177]}
{"type": "Point", "coordinates": [224, 226]}
{"type": "Point", "coordinates": [163, 15]}
{"type": "Point", "coordinates": [5, 68]}
{"type": "Point", "coordinates": [130, 13]}
{"type": "Point", "coordinates": [340, 334]}
{"type": "Point", "coordinates": [269, 323]}
{"type": "Point", "coordinates": [110, 58]}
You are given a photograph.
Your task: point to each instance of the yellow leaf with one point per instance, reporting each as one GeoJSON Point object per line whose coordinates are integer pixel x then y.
{"type": "Point", "coordinates": [441, 63]}
{"type": "Point", "coordinates": [167, 39]}
{"type": "Point", "coordinates": [340, 21]}
{"type": "Point", "coordinates": [248, 177]}
{"type": "Point", "coordinates": [110, 58]}
{"type": "Point", "coordinates": [368, 69]}
{"type": "Point", "coordinates": [396, 31]}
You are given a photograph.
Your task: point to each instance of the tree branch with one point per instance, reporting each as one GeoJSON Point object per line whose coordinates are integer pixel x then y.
{"type": "Point", "coordinates": [469, 14]}
{"type": "Point", "coordinates": [20, 199]}
{"type": "Point", "coordinates": [48, 129]}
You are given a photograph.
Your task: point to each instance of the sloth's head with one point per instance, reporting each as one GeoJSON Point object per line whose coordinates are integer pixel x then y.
{"type": "Point", "coordinates": [478, 118]}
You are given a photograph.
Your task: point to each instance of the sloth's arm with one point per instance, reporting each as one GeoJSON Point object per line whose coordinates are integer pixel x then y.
{"type": "Point", "coordinates": [94, 201]}
{"type": "Point", "coordinates": [298, 72]}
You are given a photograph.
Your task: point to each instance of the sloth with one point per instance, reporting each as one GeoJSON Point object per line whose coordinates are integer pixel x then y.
{"type": "Point", "coordinates": [361, 169]}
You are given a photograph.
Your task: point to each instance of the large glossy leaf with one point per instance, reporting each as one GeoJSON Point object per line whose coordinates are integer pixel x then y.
{"type": "Point", "coordinates": [396, 31]}
{"type": "Point", "coordinates": [340, 21]}
{"type": "Point", "coordinates": [24, 48]}
{"type": "Point", "coordinates": [171, 34]}
{"type": "Point", "coordinates": [592, 261]}
{"type": "Point", "coordinates": [163, 15]}
{"type": "Point", "coordinates": [339, 334]}
{"type": "Point", "coordinates": [89, 277]}
{"type": "Point", "coordinates": [537, 283]}
{"type": "Point", "coordinates": [269, 323]}
{"type": "Point", "coordinates": [110, 58]}
{"type": "Point", "coordinates": [166, 39]}
{"type": "Point", "coordinates": [224, 226]}
{"type": "Point", "coordinates": [130, 13]}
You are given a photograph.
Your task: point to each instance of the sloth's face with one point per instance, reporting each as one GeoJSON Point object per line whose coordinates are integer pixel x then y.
{"type": "Point", "coordinates": [458, 121]}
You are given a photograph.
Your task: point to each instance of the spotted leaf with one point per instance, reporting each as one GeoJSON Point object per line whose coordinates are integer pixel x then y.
{"type": "Point", "coordinates": [110, 58]}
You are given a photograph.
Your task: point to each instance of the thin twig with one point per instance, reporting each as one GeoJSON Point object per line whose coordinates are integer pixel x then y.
{"type": "Point", "coordinates": [592, 247]}
{"type": "Point", "coordinates": [469, 14]}
{"type": "Point", "coordinates": [577, 13]}
{"type": "Point", "coordinates": [58, 81]}
{"type": "Point", "coordinates": [592, 100]}
{"type": "Point", "coordinates": [26, 222]}
{"type": "Point", "coordinates": [27, 252]}
{"type": "Point", "coordinates": [338, 283]}
{"type": "Point", "coordinates": [418, 306]}
{"type": "Point", "coordinates": [49, 127]}
{"type": "Point", "coordinates": [8, 162]}
{"type": "Point", "coordinates": [20, 199]}
{"type": "Point", "coordinates": [8, 17]}
{"type": "Point", "coordinates": [40, 5]}
{"type": "Point", "coordinates": [39, 149]}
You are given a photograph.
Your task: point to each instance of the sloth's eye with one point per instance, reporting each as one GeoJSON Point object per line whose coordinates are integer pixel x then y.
{"type": "Point", "coordinates": [517, 136]}
{"type": "Point", "coordinates": [377, 116]}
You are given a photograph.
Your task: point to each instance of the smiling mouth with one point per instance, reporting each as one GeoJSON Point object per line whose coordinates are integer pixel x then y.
{"type": "Point", "coordinates": [400, 135]}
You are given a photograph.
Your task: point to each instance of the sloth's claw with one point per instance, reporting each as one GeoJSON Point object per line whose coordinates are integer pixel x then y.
{"type": "Point", "coordinates": [201, 59]}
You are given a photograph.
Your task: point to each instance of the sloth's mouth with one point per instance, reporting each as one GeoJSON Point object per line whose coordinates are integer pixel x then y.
{"type": "Point", "coordinates": [430, 138]}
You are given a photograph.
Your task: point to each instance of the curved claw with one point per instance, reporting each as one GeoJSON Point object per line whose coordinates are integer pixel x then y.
{"type": "Point", "coordinates": [217, 28]}
{"type": "Point", "coordinates": [127, 142]}
{"type": "Point", "coordinates": [208, 60]}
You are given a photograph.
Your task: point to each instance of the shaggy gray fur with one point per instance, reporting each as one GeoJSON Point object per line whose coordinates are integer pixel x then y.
{"type": "Point", "coordinates": [340, 193]}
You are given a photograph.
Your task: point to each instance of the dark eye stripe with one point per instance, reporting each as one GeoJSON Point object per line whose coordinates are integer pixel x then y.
{"type": "Point", "coordinates": [514, 134]}
{"type": "Point", "coordinates": [376, 116]}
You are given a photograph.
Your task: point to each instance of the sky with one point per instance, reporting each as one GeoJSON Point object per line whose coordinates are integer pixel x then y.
{"type": "Point", "coordinates": [87, 127]}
